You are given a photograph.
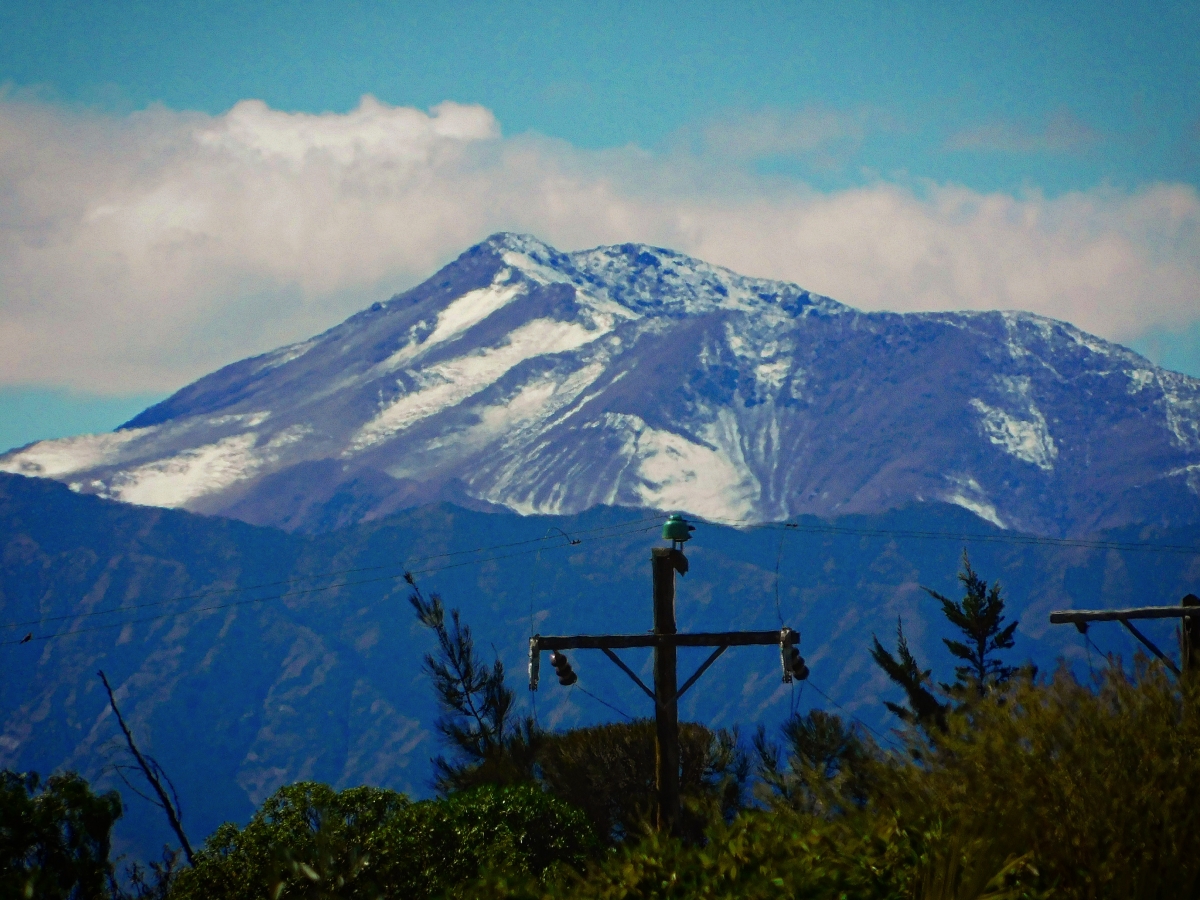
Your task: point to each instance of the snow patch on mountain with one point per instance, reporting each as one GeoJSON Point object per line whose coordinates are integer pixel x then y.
{"type": "Point", "coordinates": [507, 427]}
{"type": "Point", "coordinates": [206, 469]}
{"type": "Point", "coordinates": [285, 355]}
{"type": "Point", "coordinates": [535, 405]}
{"type": "Point", "coordinates": [1181, 408]}
{"type": "Point", "coordinates": [1140, 379]}
{"type": "Point", "coordinates": [1027, 438]}
{"type": "Point", "coordinates": [246, 420]}
{"type": "Point", "coordinates": [193, 473]}
{"type": "Point", "coordinates": [707, 477]}
{"type": "Point", "coordinates": [449, 383]}
{"type": "Point", "coordinates": [968, 494]}
{"type": "Point", "coordinates": [468, 310]}
{"type": "Point", "coordinates": [54, 459]}
{"type": "Point", "coordinates": [641, 277]}
{"type": "Point", "coordinates": [533, 269]}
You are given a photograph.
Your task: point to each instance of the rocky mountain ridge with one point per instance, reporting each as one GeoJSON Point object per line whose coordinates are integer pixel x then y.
{"type": "Point", "coordinates": [547, 382]}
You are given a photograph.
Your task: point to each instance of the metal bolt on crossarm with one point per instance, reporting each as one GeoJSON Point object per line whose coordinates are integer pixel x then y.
{"type": "Point", "coordinates": [665, 639]}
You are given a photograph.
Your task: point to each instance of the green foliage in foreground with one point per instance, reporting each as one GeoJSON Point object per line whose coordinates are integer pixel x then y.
{"type": "Point", "coordinates": [1097, 787]}
{"type": "Point", "coordinates": [608, 772]}
{"type": "Point", "coordinates": [54, 837]}
{"type": "Point", "coordinates": [1051, 789]}
{"type": "Point", "coordinates": [1045, 788]}
{"type": "Point", "coordinates": [776, 854]}
{"type": "Point", "coordinates": [309, 841]}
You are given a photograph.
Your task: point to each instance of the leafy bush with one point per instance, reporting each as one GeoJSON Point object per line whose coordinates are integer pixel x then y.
{"type": "Point", "coordinates": [1096, 786]}
{"type": "Point", "coordinates": [54, 838]}
{"type": "Point", "coordinates": [520, 830]}
{"type": "Point", "coordinates": [309, 841]}
{"type": "Point", "coordinates": [305, 839]}
{"type": "Point", "coordinates": [776, 854]}
{"type": "Point", "coordinates": [608, 772]}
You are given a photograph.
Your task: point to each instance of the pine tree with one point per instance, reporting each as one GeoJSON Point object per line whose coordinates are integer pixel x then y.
{"type": "Point", "coordinates": [476, 706]}
{"type": "Point", "coordinates": [980, 618]}
{"type": "Point", "coordinates": [923, 708]}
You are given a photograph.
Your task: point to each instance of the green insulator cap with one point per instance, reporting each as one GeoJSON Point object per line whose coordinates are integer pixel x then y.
{"type": "Point", "coordinates": [677, 528]}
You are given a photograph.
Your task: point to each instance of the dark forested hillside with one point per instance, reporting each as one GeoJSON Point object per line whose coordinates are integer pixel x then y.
{"type": "Point", "coordinates": [238, 690]}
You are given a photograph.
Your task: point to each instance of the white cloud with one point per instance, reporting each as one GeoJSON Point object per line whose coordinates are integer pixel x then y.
{"type": "Point", "coordinates": [1062, 132]}
{"type": "Point", "coordinates": [828, 134]}
{"type": "Point", "coordinates": [139, 252]}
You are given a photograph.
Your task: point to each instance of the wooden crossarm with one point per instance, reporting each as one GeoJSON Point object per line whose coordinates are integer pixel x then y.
{"type": "Point", "coordinates": [1064, 616]}
{"type": "Point", "coordinates": [697, 639]}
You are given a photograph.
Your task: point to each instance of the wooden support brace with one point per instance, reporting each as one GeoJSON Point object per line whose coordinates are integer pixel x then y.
{"type": "Point", "coordinates": [1153, 649]}
{"type": "Point", "coordinates": [700, 671]}
{"type": "Point", "coordinates": [1189, 638]}
{"type": "Point", "coordinates": [628, 671]}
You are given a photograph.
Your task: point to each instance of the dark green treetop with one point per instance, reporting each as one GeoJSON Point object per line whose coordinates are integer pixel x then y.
{"type": "Point", "coordinates": [980, 618]}
{"type": "Point", "coordinates": [491, 745]}
{"type": "Point", "coordinates": [903, 669]}
{"type": "Point", "coordinates": [54, 837]}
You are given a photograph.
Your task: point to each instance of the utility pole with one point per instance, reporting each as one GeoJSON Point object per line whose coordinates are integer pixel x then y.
{"type": "Point", "coordinates": [666, 702]}
{"type": "Point", "coordinates": [665, 639]}
{"type": "Point", "coordinates": [1188, 610]}
{"type": "Point", "coordinates": [1189, 638]}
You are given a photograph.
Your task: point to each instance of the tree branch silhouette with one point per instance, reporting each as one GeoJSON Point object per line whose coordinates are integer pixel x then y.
{"type": "Point", "coordinates": [155, 775]}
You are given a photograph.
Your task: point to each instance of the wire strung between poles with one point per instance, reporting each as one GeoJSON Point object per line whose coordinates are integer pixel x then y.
{"type": "Point", "coordinates": [299, 593]}
{"type": "Point", "coordinates": [888, 740]}
{"type": "Point", "coordinates": [628, 717]}
{"type": "Point", "coordinates": [216, 592]}
{"type": "Point", "coordinates": [1122, 546]}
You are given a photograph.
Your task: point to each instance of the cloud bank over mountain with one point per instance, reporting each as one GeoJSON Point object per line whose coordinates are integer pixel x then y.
{"type": "Point", "coordinates": [140, 251]}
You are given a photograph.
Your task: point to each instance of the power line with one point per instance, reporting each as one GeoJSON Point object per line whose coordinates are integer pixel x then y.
{"type": "Point", "coordinates": [850, 714]}
{"type": "Point", "coordinates": [1123, 546]}
{"type": "Point", "coordinates": [778, 560]}
{"type": "Point", "coordinates": [605, 702]}
{"type": "Point", "coordinates": [200, 609]}
{"type": "Point", "coordinates": [1085, 543]}
{"type": "Point", "coordinates": [471, 562]}
{"type": "Point", "coordinates": [302, 578]}
{"type": "Point", "coordinates": [316, 590]}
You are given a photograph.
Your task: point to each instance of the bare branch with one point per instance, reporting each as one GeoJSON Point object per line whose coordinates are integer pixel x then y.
{"type": "Point", "coordinates": [150, 769]}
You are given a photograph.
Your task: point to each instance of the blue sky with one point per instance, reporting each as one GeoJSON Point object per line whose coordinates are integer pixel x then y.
{"type": "Point", "coordinates": [1086, 117]}
{"type": "Point", "coordinates": [1119, 79]}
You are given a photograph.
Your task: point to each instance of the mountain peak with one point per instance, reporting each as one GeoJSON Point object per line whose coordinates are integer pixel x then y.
{"type": "Point", "coordinates": [517, 242]}
{"type": "Point", "coordinates": [633, 375]}
{"type": "Point", "coordinates": [647, 278]}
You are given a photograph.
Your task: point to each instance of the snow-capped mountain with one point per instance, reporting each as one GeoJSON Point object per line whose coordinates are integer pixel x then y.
{"type": "Point", "coordinates": [550, 382]}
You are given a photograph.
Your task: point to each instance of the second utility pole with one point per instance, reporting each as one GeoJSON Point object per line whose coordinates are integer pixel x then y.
{"type": "Point", "coordinates": [666, 562]}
